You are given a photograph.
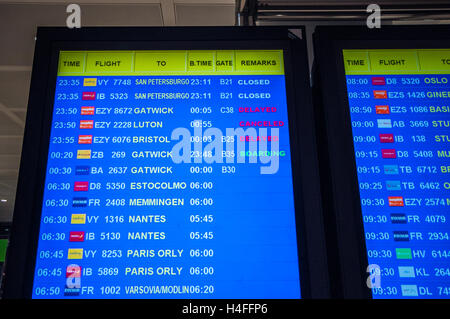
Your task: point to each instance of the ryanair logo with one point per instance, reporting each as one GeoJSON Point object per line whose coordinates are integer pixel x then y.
{"type": "Point", "coordinates": [398, 219]}
{"type": "Point", "coordinates": [79, 202]}
{"type": "Point", "coordinates": [401, 235]}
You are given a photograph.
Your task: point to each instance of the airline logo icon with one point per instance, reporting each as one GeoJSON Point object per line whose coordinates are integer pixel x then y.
{"type": "Point", "coordinates": [73, 280]}
{"type": "Point", "coordinates": [406, 272]}
{"type": "Point", "coordinates": [84, 139]}
{"type": "Point", "coordinates": [87, 110]}
{"type": "Point", "coordinates": [403, 253]}
{"type": "Point", "coordinates": [396, 201]}
{"type": "Point", "coordinates": [82, 170]}
{"type": "Point", "coordinates": [79, 202]}
{"type": "Point", "coordinates": [81, 186]}
{"type": "Point", "coordinates": [380, 94]}
{"type": "Point", "coordinates": [72, 287]}
{"type": "Point", "coordinates": [83, 154]}
{"type": "Point", "coordinates": [90, 82]}
{"type": "Point", "coordinates": [382, 109]}
{"type": "Point", "coordinates": [75, 253]}
{"type": "Point", "coordinates": [78, 219]}
{"type": "Point", "coordinates": [409, 291]}
{"type": "Point", "coordinates": [401, 235]}
{"type": "Point", "coordinates": [73, 271]}
{"type": "Point", "coordinates": [86, 124]}
{"type": "Point", "coordinates": [378, 80]}
{"type": "Point", "coordinates": [88, 96]}
{"type": "Point", "coordinates": [76, 236]}
{"type": "Point", "coordinates": [398, 219]}
{"type": "Point", "coordinates": [384, 123]}
{"type": "Point", "coordinates": [393, 185]}
{"type": "Point", "coordinates": [386, 138]}
{"type": "Point", "coordinates": [388, 153]}
{"type": "Point", "coordinates": [391, 169]}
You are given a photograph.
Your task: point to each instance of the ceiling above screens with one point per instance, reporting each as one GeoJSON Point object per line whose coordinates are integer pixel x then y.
{"type": "Point", "coordinates": [18, 22]}
{"type": "Point", "coordinates": [260, 11]}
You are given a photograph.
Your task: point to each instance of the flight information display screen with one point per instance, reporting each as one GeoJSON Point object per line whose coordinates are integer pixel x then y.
{"type": "Point", "coordinates": [400, 116]}
{"type": "Point", "coordinates": [168, 176]}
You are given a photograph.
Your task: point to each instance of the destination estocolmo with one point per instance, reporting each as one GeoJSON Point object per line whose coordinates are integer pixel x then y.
{"type": "Point", "coordinates": [157, 185]}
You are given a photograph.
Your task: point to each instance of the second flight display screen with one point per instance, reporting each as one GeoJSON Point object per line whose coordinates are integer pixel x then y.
{"type": "Point", "coordinates": [399, 111]}
{"type": "Point", "coordinates": [168, 176]}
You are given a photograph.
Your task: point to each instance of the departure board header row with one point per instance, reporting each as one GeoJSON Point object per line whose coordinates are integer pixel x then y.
{"type": "Point", "coordinates": [405, 61]}
{"type": "Point", "coordinates": [205, 62]}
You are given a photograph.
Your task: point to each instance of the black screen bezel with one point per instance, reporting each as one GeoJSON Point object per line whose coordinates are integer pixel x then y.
{"type": "Point", "coordinates": [340, 186]}
{"type": "Point", "coordinates": [25, 230]}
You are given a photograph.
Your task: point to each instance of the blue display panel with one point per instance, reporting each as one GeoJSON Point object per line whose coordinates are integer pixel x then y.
{"type": "Point", "coordinates": [400, 120]}
{"type": "Point", "coordinates": [168, 179]}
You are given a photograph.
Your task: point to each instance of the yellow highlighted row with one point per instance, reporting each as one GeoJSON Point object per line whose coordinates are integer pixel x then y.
{"type": "Point", "coordinates": [174, 62]}
{"type": "Point", "coordinates": [406, 61]}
